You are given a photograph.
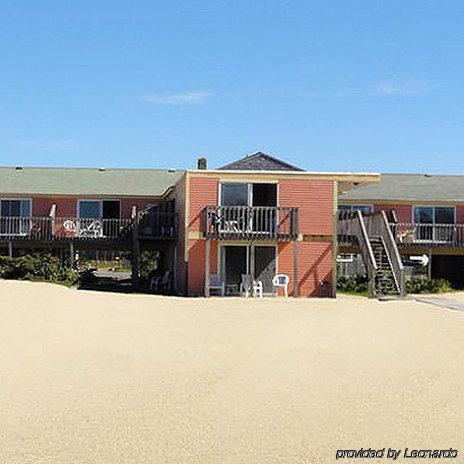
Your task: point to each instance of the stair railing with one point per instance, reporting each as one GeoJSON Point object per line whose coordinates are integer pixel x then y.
{"type": "Point", "coordinates": [377, 226]}
{"type": "Point", "coordinates": [351, 226]}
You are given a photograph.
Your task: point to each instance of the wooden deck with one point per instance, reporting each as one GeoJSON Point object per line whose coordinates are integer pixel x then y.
{"type": "Point", "coordinates": [250, 223]}
{"type": "Point", "coordinates": [46, 230]}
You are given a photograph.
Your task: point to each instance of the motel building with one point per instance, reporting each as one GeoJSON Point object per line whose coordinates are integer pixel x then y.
{"type": "Point", "coordinates": [426, 217]}
{"type": "Point", "coordinates": [258, 216]}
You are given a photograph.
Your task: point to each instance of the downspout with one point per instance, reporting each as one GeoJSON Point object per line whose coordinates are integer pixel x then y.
{"type": "Point", "coordinates": [335, 239]}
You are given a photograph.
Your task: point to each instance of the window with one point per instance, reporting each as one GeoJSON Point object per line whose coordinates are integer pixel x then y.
{"type": "Point", "coordinates": [13, 213]}
{"type": "Point", "coordinates": [90, 209]}
{"type": "Point", "coordinates": [433, 215]}
{"type": "Point", "coordinates": [434, 223]}
{"type": "Point", "coordinates": [234, 194]}
{"type": "Point", "coordinates": [352, 208]}
{"type": "Point", "coordinates": [15, 208]}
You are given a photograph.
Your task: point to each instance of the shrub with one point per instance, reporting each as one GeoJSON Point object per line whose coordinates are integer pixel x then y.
{"type": "Point", "coordinates": [428, 286]}
{"type": "Point", "coordinates": [37, 266]}
{"type": "Point", "coordinates": [352, 284]}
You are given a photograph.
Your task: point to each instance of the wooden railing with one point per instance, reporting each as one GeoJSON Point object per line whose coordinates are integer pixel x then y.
{"type": "Point", "coordinates": [431, 235]}
{"type": "Point", "coordinates": [358, 229]}
{"type": "Point", "coordinates": [156, 224]}
{"type": "Point", "coordinates": [43, 229]}
{"type": "Point", "coordinates": [250, 222]}
{"type": "Point", "coordinates": [352, 232]}
{"type": "Point", "coordinates": [62, 228]}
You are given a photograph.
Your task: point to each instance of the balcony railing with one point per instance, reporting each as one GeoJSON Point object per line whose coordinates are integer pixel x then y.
{"type": "Point", "coordinates": [45, 229]}
{"type": "Point", "coordinates": [250, 223]}
{"type": "Point", "coordinates": [435, 235]}
{"type": "Point", "coordinates": [62, 228]}
{"type": "Point", "coordinates": [156, 224]}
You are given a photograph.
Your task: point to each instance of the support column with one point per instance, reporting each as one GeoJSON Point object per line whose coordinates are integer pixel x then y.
{"type": "Point", "coordinates": [207, 262]}
{"type": "Point", "coordinates": [429, 270]}
{"type": "Point", "coordinates": [71, 255]}
{"type": "Point", "coordinates": [252, 261]}
{"type": "Point", "coordinates": [135, 274]}
{"type": "Point", "coordinates": [295, 268]}
{"type": "Point", "coordinates": [10, 249]}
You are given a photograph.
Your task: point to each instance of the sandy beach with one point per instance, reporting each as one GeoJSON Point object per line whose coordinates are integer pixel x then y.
{"type": "Point", "coordinates": [106, 378]}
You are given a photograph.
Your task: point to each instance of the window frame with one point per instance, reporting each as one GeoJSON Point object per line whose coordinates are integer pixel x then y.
{"type": "Point", "coordinates": [433, 207]}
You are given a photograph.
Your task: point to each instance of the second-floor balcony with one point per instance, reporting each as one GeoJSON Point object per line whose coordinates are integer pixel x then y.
{"type": "Point", "coordinates": [51, 229]}
{"type": "Point", "coordinates": [250, 223]}
{"type": "Point", "coordinates": [406, 234]}
{"type": "Point", "coordinates": [430, 235]}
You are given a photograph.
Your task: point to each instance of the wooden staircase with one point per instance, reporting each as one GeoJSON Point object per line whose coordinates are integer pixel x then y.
{"type": "Point", "coordinates": [372, 235]}
{"type": "Point", "coordinates": [384, 280]}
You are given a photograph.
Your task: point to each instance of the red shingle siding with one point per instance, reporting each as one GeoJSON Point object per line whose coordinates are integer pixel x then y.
{"type": "Point", "coordinates": [196, 274]}
{"type": "Point", "coordinates": [65, 207]}
{"type": "Point", "coordinates": [403, 212]}
{"type": "Point", "coordinates": [460, 214]}
{"type": "Point", "coordinates": [315, 200]}
{"type": "Point", "coordinates": [203, 192]}
{"type": "Point", "coordinates": [315, 259]}
{"type": "Point", "coordinates": [315, 267]}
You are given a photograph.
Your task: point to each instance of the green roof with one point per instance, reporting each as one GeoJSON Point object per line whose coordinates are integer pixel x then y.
{"type": "Point", "coordinates": [87, 181]}
{"type": "Point", "coordinates": [409, 187]}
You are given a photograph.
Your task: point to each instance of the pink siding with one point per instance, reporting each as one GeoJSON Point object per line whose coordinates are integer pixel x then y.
{"type": "Point", "coordinates": [315, 200]}
{"type": "Point", "coordinates": [315, 257]}
{"type": "Point", "coordinates": [460, 214]}
{"type": "Point", "coordinates": [67, 206]}
{"type": "Point", "coordinates": [403, 212]}
{"type": "Point", "coordinates": [202, 191]}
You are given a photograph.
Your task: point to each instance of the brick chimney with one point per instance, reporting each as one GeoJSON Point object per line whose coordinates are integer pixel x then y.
{"type": "Point", "coordinates": [202, 163]}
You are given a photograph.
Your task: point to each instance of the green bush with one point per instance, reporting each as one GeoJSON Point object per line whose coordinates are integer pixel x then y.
{"type": "Point", "coordinates": [352, 284]}
{"type": "Point", "coordinates": [37, 266]}
{"type": "Point", "coordinates": [428, 286]}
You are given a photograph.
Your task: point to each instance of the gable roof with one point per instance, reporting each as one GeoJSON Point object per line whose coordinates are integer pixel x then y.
{"type": "Point", "coordinates": [259, 162]}
{"type": "Point", "coordinates": [409, 187]}
{"type": "Point", "coordinates": [87, 181]}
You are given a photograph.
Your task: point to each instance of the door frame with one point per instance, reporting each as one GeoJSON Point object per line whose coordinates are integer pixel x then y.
{"type": "Point", "coordinates": [100, 200]}
{"type": "Point", "coordinates": [249, 250]}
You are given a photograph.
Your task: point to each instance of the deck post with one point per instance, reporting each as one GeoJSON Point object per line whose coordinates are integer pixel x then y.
{"type": "Point", "coordinates": [135, 274]}
{"type": "Point", "coordinates": [71, 254]}
{"type": "Point", "coordinates": [207, 262]}
{"type": "Point", "coordinates": [10, 249]}
{"type": "Point", "coordinates": [295, 268]}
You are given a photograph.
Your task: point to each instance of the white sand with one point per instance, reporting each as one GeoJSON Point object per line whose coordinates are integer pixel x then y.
{"type": "Point", "coordinates": [105, 378]}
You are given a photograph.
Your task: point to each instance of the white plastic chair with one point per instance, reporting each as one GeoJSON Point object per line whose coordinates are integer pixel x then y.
{"type": "Point", "coordinates": [215, 283]}
{"type": "Point", "coordinates": [248, 285]}
{"type": "Point", "coordinates": [281, 281]}
{"type": "Point", "coordinates": [257, 289]}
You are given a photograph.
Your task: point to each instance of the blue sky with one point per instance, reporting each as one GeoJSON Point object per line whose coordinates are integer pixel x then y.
{"type": "Point", "coordinates": [327, 85]}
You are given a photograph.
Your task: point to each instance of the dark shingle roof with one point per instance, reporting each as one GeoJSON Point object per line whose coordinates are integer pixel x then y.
{"type": "Point", "coordinates": [414, 187]}
{"type": "Point", "coordinates": [87, 181]}
{"type": "Point", "coordinates": [260, 162]}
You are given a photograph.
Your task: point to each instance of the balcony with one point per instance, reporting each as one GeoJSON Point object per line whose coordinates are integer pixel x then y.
{"type": "Point", "coordinates": [250, 223]}
{"type": "Point", "coordinates": [49, 229]}
{"type": "Point", "coordinates": [428, 235]}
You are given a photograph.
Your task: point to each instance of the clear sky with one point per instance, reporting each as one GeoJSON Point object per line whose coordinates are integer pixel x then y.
{"type": "Point", "coordinates": [327, 85]}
